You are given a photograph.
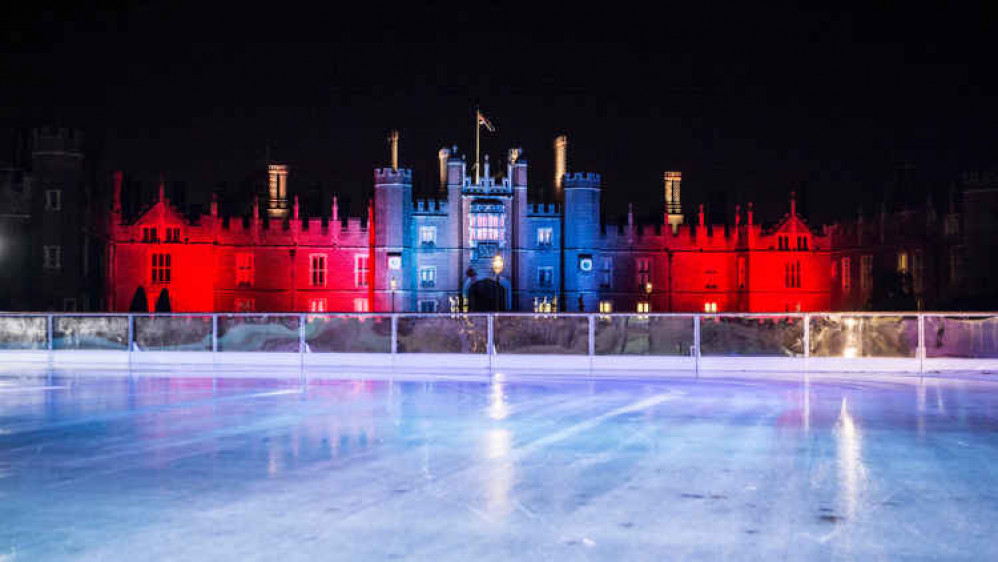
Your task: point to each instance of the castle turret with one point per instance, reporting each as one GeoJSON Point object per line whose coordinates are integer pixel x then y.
{"type": "Point", "coordinates": [393, 286]}
{"type": "Point", "coordinates": [581, 225]}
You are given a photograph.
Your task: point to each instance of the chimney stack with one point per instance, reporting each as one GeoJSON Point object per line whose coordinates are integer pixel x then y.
{"type": "Point", "coordinates": [393, 141]}
{"type": "Point", "coordinates": [443, 155]}
{"type": "Point", "coordinates": [560, 162]}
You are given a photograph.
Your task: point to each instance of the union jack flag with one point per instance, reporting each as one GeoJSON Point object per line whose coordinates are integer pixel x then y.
{"type": "Point", "coordinates": [483, 121]}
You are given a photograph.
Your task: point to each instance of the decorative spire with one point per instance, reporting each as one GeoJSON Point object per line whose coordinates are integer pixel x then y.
{"type": "Point", "coordinates": [751, 214]}
{"type": "Point", "coordinates": [738, 215]}
{"type": "Point", "coordinates": [296, 206]}
{"type": "Point", "coordinates": [214, 204]}
{"type": "Point", "coordinates": [793, 203]}
{"type": "Point", "coordinates": [162, 188]}
{"type": "Point", "coordinates": [702, 217]}
{"type": "Point", "coordinates": [336, 209]}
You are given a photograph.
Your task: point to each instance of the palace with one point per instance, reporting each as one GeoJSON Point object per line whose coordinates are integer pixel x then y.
{"type": "Point", "coordinates": [482, 245]}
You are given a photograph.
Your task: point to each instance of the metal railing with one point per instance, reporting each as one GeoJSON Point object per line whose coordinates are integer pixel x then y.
{"type": "Point", "coordinates": [696, 338]}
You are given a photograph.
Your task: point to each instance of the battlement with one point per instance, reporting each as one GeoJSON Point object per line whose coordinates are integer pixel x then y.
{"type": "Point", "coordinates": [582, 179]}
{"type": "Point", "coordinates": [388, 176]}
{"type": "Point", "coordinates": [543, 210]}
{"type": "Point", "coordinates": [430, 206]}
{"type": "Point", "coordinates": [57, 140]}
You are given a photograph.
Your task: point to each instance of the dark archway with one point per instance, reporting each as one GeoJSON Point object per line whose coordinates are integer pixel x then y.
{"type": "Point", "coordinates": [163, 302]}
{"type": "Point", "coordinates": [139, 301]}
{"type": "Point", "coordinates": [486, 296]}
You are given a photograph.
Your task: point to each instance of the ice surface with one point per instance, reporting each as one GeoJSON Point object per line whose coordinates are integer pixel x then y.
{"type": "Point", "coordinates": [196, 469]}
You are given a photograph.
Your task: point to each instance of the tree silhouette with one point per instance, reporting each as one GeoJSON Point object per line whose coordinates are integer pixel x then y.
{"type": "Point", "coordinates": [163, 302]}
{"type": "Point", "coordinates": [139, 301]}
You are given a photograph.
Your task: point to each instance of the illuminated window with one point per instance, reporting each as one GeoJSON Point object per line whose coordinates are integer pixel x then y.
{"type": "Point", "coordinates": [903, 262]}
{"type": "Point", "coordinates": [742, 273]}
{"type": "Point", "coordinates": [710, 307]}
{"type": "Point", "coordinates": [316, 305]}
{"type": "Point", "coordinates": [161, 268]}
{"type": "Point", "coordinates": [865, 273]}
{"type": "Point", "coordinates": [52, 257]}
{"type": "Point", "coordinates": [53, 200]}
{"type": "Point", "coordinates": [606, 307]}
{"type": "Point", "coordinates": [317, 270]}
{"type": "Point", "coordinates": [545, 276]}
{"type": "Point", "coordinates": [428, 276]}
{"type": "Point", "coordinates": [644, 271]}
{"type": "Point", "coordinates": [149, 234]}
{"type": "Point", "coordinates": [606, 272]}
{"type": "Point", "coordinates": [428, 235]}
{"type": "Point", "coordinates": [244, 270]}
{"type": "Point", "coordinates": [545, 305]}
{"type": "Point", "coordinates": [846, 274]}
{"type": "Point", "coordinates": [428, 306]}
{"type": "Point", "coordinates": [643, 306]}
{"type": "Point", "coordinates": [486, 227]}
{"type": "Point", "coordinates": [172, 234]}
{"type": "Point", "coordinates": [360, 305]}
{"type": "Point", "coordinates": [245, 304]}
{"type": "Point", "coordinates": [544, 235]}
{"type": "Point", "coordinates": [360, 270]}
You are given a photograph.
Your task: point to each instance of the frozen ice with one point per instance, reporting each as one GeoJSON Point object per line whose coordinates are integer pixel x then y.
{"type": "Point", "coordinates": [850, 468]}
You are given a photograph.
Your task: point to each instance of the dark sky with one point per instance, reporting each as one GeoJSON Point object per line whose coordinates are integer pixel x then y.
{"type": "Point", "coordinates": [748, 103]}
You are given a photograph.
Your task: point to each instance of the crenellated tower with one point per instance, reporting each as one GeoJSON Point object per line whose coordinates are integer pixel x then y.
{"type": "Point", "coordinates": [581, 212]}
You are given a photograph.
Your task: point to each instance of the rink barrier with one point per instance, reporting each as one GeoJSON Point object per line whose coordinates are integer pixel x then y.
{"type": "Point", "coordinates": [665, 342]}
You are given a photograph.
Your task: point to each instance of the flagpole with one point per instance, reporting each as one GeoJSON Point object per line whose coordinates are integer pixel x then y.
{"type": "Point", "coordinates": [478, 128]}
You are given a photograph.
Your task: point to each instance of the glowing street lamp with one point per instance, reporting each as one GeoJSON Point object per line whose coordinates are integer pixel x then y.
{"type": "Point", "coordinates": [497, 265]}
{"type": "Point", "coordinates": [648, 289]}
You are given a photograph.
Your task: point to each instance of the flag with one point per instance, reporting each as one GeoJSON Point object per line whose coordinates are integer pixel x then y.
{"type": "Point", "coordinates": [483, 121]}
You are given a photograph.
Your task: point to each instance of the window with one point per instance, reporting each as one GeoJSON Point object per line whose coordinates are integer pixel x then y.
{"type": "Point", "coordinates": [245, 304]}
{"type": "Point", "coordinates": [954, 269]}
{"type": "Point", "coordinates": [316, 305]}
{"type": "Point", "coordinates": [544, 235]}
{"type": "Point", "coordinates": [951, 226]}
{"type": "Point", "coordinates": [784, 242]}
{"type": "Point", "coordinates": [605, 307]}
{"type": "Point", "coordinates": [69, 305]}
{"type": "Point", "coordinates": [606, 272]}
{"type": "Point", "coordinates": [428, 276]}
{"type": "Point", "coordinates": [360, 271]}
{"type": "Point", "coordinates": [846, 274]}
{"type": "Point", "coordinates": [53, 200]}
{"type": "Point", "coordinates": [149, 234]}
{"type": "Point", "coordinates": [161, 267]}
{"type": "Point", "coordinates": [791, 275]}
{"type": "Point", "coordinates": [360, 305]}
{"type": "Point", "coordinates": [317, 270]}
{"type": "Point", "coordinates": [903, 262]}
{"type": "Point", "coordinates": [244, 270]}
{"type": "Point", "coordinates": [428, 235]}
{"type": "Point", "coordinates": [802, 242]}
{"type": "Point", "coordinates": [918, 269]}
{"type": "Point", "coordinates": [711, 275]}
{"type": "Point", "coordinates": [742, 273]}
{"type": "Point", "coordinates": [643, 306]}
{"type": "Point", "coordinates": [710, 307]}
{"type": "Point", "coordinates": [545, 305]}
{"type": "Point", "coordinates": [644, 271]}
{"type": "Point", "coordinates": [486, 227]}
{"type": "Point", "coordinates": [865, 273]}
{"type": "Point", "coordinates": [545, 276]}
{"type": "Point", "coordinates": [52, 257]}
{"type": "Point", "coordinates": [428, 306]}
{"type": "Point", "coordinates": [172, 234]}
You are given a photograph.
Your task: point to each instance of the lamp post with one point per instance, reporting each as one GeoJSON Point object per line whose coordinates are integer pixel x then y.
{"type": "Point", "coordinates": [648, 288]}
{"type": "Point", "coordinates": [393, 284]}
{"type": "Point", "coordinates": [497, 269]}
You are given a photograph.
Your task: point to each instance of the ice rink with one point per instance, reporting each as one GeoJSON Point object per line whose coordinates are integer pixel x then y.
{"type": "Point", "coordinates": [852, 468]}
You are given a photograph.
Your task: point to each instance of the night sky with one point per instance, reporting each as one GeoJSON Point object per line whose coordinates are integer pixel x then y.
{"type": "Point", "coordinates": [748, 104]}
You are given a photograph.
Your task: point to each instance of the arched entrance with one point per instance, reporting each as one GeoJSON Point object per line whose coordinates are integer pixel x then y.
{"type": "Point", "coordinates": [486, 295]}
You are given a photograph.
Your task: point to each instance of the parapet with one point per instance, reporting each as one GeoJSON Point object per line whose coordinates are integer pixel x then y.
{"type": "Point", "coordinates": [582, 180]}
{"type": "Point", "coordinates": [430, 206]}
{"type": "Point", "coordinates": [389, 176]}
{"type": "Point", "coordinates": [543, 210]}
